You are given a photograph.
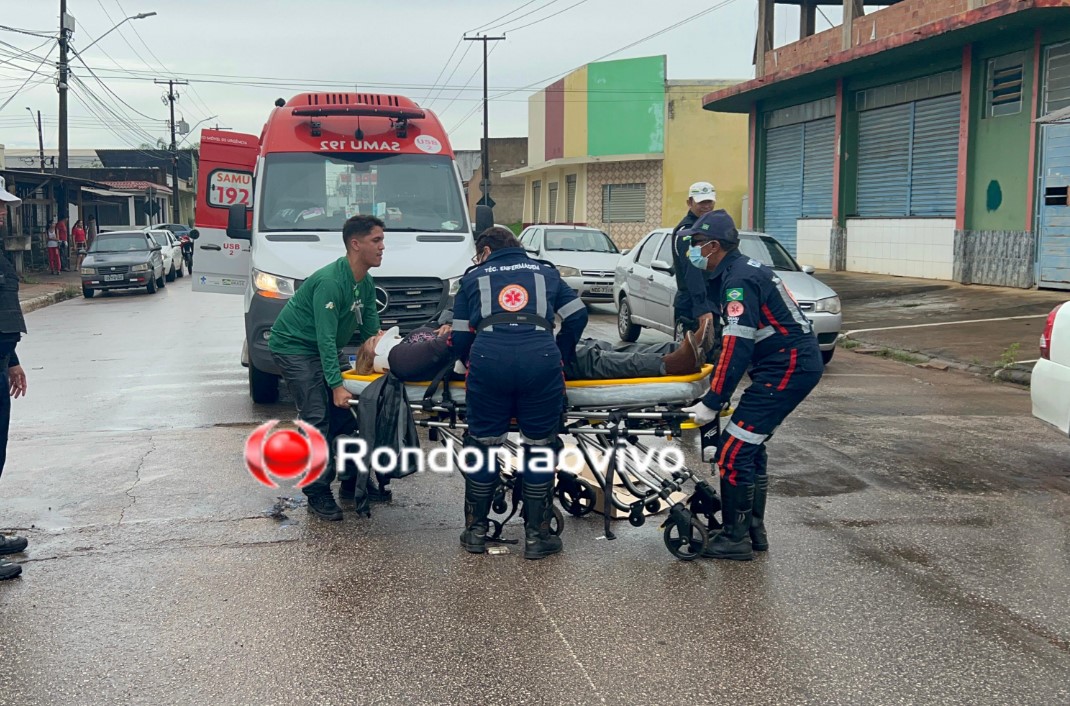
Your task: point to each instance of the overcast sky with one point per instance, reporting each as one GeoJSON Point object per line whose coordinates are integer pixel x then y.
{"type": "Point", "coordinates": [229, 50]}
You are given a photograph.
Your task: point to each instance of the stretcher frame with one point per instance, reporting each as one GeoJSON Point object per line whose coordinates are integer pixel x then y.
{"type": "Point", "coordinates": [687, 527]}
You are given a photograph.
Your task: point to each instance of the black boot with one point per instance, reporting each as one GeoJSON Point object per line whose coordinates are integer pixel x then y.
{"type": "Point", "coordinates": [758, 540]}
{"type": "Point", "coordinates": [733, 541]}
{"type": "Point", "coordinates": [477, 500]}
{"type": "Point", "coordinates": [539, 542]}
{"type": "Point", "coordinates": [324, 506]}
{"type": "Point", "coordinates": [380, 492]}
{"type": "Point", "coordinates": [9, 570]}
{"type": "Point", "coordinates": [12, 545]}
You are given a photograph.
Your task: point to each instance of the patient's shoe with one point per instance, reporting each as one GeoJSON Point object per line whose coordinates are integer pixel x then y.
{"type": "Point", "coordinates": [685, 359]}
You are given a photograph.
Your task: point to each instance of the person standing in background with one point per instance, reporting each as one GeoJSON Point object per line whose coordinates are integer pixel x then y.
{"type": "Point", "coordinates": [78, 233]}
{"type": "Point", "coordinates": [12, 326]}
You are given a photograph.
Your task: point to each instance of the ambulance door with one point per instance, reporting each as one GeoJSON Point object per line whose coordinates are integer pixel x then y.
{"type": "Point", "coordinates": [221, 260]}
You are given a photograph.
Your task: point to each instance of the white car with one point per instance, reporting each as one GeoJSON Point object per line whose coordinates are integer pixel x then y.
{"type": "Point", "coordinates": [1050, 384]}
{"type": "Point", "coordinates": [644, 287]}
{"type": "Point", "coordinates": [585, 257]}
{"type": "Point", "coordinates": [173, 263]}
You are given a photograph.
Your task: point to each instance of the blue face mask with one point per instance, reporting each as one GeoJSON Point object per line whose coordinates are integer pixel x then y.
{"type": "Point", "coordinates": [694, 254]}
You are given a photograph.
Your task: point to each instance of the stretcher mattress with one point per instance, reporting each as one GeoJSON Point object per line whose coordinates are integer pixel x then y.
{"type": "Point", "coordinates": [583, 394]}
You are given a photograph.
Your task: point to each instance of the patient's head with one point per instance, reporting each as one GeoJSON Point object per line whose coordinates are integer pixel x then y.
{"type": "Point", "coordinates": [365, 364]}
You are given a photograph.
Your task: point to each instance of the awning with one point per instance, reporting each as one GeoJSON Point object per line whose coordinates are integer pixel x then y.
{"type": "Point", "coordinates": [9, 198]}
{"type": "Point", "coordinates": [1059, 116]}
{"type": "Point", "coordinates": [105, 192]}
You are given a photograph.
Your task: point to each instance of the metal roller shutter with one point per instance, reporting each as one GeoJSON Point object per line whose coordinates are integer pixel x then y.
{"type": "Point", "coordinates": [553, 203]}
{"type": "Point", "coordinates": [623, 203]}
{"type": "Point", "coordinates": [570, 198]}
{"type": "Point", "coordinates": [782, 205]}
{"type": "Point", "coordinates": [935, 157]}
{"type": "Point", "coordinates": [884, 161]}
{"type": "Point", "coordinates": [819, 160]}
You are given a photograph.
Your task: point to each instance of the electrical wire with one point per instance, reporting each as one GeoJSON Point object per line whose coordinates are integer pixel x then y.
{"type": "Point", "coordinates": [19, 89]}
{"type": "Point", "coordinates": [32, 33]}
{"type": "Point", "coordinates": [529, 12]}
{"type": "Point", "coordinates": [459, 62]}
{"type": "Point", "coordinates": [442, 70]}
{"type": "Point", "coordinates": [470, 79]}
{"type": "Point", "coordinates": [491, 23]}
{"type": "Point", "coordinates": [541, 19]}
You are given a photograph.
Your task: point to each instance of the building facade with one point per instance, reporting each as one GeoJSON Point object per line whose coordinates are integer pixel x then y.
{"type": "Point", "coordinates": [923, 139]}
{"type": "Point", "coordinates": [507, 195]}
{"type": "Point", "coordinates": [615, 145]}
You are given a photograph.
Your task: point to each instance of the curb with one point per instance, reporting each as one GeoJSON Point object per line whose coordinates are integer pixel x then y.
{"type": "Point", "coordinates": [44, 300]}
{"type": "Point", "coordinates": [1011, 375]}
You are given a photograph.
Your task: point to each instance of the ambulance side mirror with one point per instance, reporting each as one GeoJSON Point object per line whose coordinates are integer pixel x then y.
{"type": "Point", "coordinates": [236, 223]}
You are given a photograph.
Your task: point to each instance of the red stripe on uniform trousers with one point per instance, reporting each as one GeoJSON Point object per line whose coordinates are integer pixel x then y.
{"type": "Point", "coordinates": [729, 348]}
{"type": "Point", "coordinates": [791, 369]}
{"type": "Point", "coordinates": [732, 463]}
{"type": "Point", "coordinates": [724, 454]}
{"type": "Point", "coordinates": [772, 320]}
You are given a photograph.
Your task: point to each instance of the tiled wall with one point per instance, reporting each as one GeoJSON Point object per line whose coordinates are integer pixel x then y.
{"type": "Point", "coordinates": [812, 242]}
{"type": "Point", "coordinates": [648, 172]}
{"type": "Point", "coordinates": [909, 247]}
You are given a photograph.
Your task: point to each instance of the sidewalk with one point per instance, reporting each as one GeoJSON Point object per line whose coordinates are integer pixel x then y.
{"type": "Point", "coordinates": [40, 289]}
{"type": "Point", "coordinates": [992, 331]}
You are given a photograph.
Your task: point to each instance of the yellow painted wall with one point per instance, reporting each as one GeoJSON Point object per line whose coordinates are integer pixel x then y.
{"type": "Point", "coordinates": [537, 128]}
{"type": "Point", "coordinates": [702, 146]}
{"type": "Point", "coordinates": [576, 113]}
{"type": "Point", "coordinates": [550, 176]}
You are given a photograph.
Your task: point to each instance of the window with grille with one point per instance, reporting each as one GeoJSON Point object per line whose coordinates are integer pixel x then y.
{"type": "Point", "coordinates": [1005, 80]}
{"type": "Point", "coordinates": [623, 203]}
{"type": "Point", "coordinates": [570, 198]}
{"type": "Point", "coordinates": [536, 198]}
{"type": "Point", "coordinates": [552, 202]}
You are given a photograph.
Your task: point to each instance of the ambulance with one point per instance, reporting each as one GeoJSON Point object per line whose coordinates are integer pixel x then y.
{"type": "Point", "coordinates": [270, 211]}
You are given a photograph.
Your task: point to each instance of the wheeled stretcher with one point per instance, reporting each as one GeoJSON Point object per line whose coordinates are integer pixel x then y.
{"type": "Point", "coordinates": [602, 416]}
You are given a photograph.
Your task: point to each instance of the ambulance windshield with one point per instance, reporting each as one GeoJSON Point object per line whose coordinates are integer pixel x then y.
{"type": "Point", "coordinates": [318, 192]}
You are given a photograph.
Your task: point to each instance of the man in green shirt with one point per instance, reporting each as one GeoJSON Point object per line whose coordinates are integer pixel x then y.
{"type": "Point", "coordinates": [306, 341]}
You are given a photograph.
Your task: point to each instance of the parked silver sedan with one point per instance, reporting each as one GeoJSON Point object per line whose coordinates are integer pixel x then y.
{"type": "Point", "coordinates": [644, 286]}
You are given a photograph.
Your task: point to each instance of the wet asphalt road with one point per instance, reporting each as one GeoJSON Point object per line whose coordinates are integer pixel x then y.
{"type": "Point", "coordinates": [919, 521]}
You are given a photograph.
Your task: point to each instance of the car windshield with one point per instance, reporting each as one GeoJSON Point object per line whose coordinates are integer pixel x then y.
{"type": "Point", "coordinates": [579, 241]}
{"type": "Point", "coordinates": [768, 251]}
{"type": "Point", "coordinates": [119, 243]}
{"type": "Point", "coordinates": [317, 192]}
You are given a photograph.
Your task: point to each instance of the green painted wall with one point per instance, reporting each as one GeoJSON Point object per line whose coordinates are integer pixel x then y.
{"type": "Point", "coordinates": [626, 106]}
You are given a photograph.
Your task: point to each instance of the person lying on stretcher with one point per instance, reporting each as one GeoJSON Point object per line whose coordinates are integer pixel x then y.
{"type": "Point", "coordinates": [421, 354]}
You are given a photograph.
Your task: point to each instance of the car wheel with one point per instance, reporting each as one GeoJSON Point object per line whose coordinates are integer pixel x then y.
{"type": "Point", "coordinates": [181, 268]}
{"type": "Point", "coordinates": [827, 355]}
{"type": "Point", "coordinates": [87, 293]}
{"type": "Point", "coordinates": [161, 281]}
{"type": "Point", "coordinates": [151, 286]}
{"type": "Point", "coordinates": [170, 276]}
{"type": "Point", "coordinates": [627, 331]}
{"type": "Point", "coordinates": [263, 387]}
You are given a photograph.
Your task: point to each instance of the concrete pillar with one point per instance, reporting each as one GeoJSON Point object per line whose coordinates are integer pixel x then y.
{"type": "Point", "coordinates": [807, 18]}
{"type": "Point", "coordinates": [852, 10]}
{"type": "Point", "coordinates": [764, 41]}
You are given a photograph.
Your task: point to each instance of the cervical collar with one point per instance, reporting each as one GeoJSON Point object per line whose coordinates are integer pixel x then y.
{"type": "Point", "coordinates": [390, 339]}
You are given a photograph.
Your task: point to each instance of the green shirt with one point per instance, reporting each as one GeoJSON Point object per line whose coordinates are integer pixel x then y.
{"type": "Point", "coordinates": [323, 314]}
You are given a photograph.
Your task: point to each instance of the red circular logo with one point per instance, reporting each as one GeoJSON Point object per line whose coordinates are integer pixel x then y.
{"type": "Point", "coordinates": [513, 298]}
{"type": "Point", "coordinates": [735, 309]}
{"type": "Point", "coordinates": [286, 453]}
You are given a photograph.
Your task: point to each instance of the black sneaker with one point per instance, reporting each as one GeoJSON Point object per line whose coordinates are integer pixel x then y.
{"type": "Point", "coordinates": [12, 545]}
{"type": "Point", "coordinates": [9, 570]}
{"type": "Point", "coordinates": [323, 505]}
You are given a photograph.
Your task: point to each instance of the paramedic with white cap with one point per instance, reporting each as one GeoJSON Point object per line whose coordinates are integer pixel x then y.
{"type": "Point", "coordinates": [692, 307]}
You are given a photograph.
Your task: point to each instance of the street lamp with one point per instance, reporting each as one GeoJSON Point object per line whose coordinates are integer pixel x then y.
{"type": "Point", "coordinates": [139, 16]}
{"type": "Point", "coordinates": [40, 136]}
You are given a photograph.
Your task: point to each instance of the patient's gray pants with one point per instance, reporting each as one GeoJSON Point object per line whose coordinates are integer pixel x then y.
{"type": "Point", "coordinates": [601, 360]}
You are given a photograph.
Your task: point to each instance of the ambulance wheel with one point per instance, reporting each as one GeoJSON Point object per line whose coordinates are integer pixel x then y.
{"type": "Point", "coordinates": [627, 331]}
{"type": "Point", "coordinates": [263, 387]}
{"type": "Point", "coordinates": [686, 548]}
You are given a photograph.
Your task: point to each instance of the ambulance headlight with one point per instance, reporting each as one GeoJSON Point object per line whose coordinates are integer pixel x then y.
{"type": "Point", "coordinates": [272, 286]}
{"type": "Point", "coordinates": [568, 271]}
{"type": "Point", "coordinates": [830, 305]}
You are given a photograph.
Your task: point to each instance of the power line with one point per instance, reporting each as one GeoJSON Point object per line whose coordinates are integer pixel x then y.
{"type": "Point", "coordinates": [541, 19]}
{"type": "Point", "coordinates": [470, 78]}
{"type": "Point", "coordinates": [30, 32]}
{"type": "Point", "coordinates": [19, 89]}
{"type": "Point", "coordinates": [529, 12]}
{"type": "Point", "coordinates": [460, 61]}
{"type": "Point", "coordinates": [489, 24]}
{"type": "Point", "coordinates": [442, 70]}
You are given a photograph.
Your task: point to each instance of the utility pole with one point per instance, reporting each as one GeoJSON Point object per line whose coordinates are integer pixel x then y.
{"type": "Point", "coordinates": [66, 26]}
{"type": "Point", "coordinates": [40, 138]}
{"type": "Point", "coordinates": [485, 152]}
{"type": "Point", "coordinates": [171, 83]}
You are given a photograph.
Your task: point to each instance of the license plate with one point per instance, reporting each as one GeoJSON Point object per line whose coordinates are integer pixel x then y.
{"type": "Point", "coordinates": [601, 290]}
{"type": "Point", "coordinates": [113, 278]}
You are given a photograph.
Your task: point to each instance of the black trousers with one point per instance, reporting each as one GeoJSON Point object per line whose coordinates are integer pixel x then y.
{"type": "Point", "coordinates": [315, 405]}
{"type": "Point", "coordinates": [5, 409]}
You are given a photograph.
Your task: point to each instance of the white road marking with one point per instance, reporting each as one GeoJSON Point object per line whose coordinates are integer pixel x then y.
{"type": "Point", "coordinates": [947, 323]}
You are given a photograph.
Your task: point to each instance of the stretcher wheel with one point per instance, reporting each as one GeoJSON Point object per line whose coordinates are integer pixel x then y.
{"type": "Point", "coordinates": [557, 522]}
{"type": "Point", "coordinates": [576, 496]}
{"type": "Point", "coordinates": [636, 518]}
{"type": "Point", "coordinates": [494, 530]}
{"type": "Point", "coordinates": [653, 507]}
{"type": "Point", "coordinates": [500, 506]}
{"type": "Point", "coordinates": [687, 547]}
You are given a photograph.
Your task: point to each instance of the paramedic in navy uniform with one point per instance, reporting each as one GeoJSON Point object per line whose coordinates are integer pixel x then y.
{"type": "Point", "coordinates": [503, 330]}
{"type": "Point", "coordinates": [766, 331]}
